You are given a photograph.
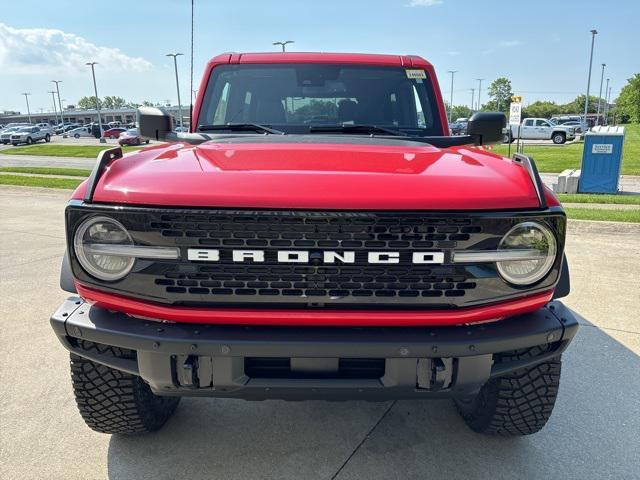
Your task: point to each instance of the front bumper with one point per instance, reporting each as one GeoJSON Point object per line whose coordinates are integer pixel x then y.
{"type": "Point", "coordinates": [261, 362]}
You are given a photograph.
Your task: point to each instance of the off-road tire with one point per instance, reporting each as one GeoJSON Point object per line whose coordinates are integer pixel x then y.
{"type": "Point", "coordinates": [517, 403]}
{"type": "Point", "coordinates": [111, 401]}
{"type": "Point", "coordinates": [559, 138]}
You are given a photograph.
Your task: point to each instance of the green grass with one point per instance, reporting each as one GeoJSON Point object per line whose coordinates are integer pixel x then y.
{"type": "Point", "coordinates": [78, 151]}
{"type": "Point", "coordinates": [47, 182]}
{"type": "Point", "coordinates": [70, 172]}
{"type": "Point", "coordinates": [595, 214]}
{"type": "Point", "coordinates": [594, 198]}
{"type": "Point", "coordinates": [555, 159]}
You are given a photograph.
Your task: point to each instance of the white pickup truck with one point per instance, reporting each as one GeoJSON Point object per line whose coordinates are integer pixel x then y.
{"type": "Point", "coordinates": [29, 135]}
{"type": "Point", "coordinates": [540, 129]}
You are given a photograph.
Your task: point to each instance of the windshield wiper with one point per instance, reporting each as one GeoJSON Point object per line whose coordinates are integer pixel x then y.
{"type": "Point", "coordinates": [241, 127]}
{"type": "Point", "coordinates": [357, 128]}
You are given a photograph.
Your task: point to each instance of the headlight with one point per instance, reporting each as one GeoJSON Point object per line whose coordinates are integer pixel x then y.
{"type": "Point", "coordinates": [91, 241]}
{"type": "Point", "coordinates": [536, 246]}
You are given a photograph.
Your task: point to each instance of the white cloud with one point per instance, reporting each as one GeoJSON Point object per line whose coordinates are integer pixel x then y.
{"type": "Point", "coordinates": [510, 43]}
{"type": "Point", "coordinates": [423, 3]}
{"type": "Point", "coordinates": [45, 50]}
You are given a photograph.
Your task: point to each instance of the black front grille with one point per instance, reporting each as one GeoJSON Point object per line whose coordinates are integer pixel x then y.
{"type": "Point", "coordinates": [314, 284]}
{"type": "Point", "coordinates": [297, 281]}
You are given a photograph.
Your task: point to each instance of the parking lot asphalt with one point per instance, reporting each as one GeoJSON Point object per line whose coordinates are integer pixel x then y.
{"type": "Point", "coordinates": [594, 432]}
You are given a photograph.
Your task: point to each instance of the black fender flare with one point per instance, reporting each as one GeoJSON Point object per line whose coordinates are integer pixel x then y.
{"type": "Point", "coordinates": [563, 287]}
{"type": "Point", "coordinates": [66, 276]}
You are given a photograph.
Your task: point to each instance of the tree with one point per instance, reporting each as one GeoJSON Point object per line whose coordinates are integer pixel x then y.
{"type": "Point", "coordinates": [147, 103]}
{"type": "Point", "coordinates": [577, 105]}
{"type": "Point", "coordinates": [113, 102]}
{"type": "Point", "coordinates": [460, 111]}
{"type": "Point", "coordinates": [628, 103]}
{"type": "Point", "coordinates": [542, 109]}
{"type": "Point", "coordinates": [88, 102]}
{"type": "Point", "coordinates": [500, 92]}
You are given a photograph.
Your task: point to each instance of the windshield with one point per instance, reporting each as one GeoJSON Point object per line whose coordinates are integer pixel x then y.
{"type": "Point", "coordinates": [295, 98]}
{"type": "Point", "coordinates": [24, 129]}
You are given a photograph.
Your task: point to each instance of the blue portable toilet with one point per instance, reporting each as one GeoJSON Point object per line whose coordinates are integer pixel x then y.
{"type": "Point", "coordinates": [601, 160]}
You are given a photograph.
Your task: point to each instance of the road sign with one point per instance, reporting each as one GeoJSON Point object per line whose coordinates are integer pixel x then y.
{"type": "Point", "coordinates": [515, 113]}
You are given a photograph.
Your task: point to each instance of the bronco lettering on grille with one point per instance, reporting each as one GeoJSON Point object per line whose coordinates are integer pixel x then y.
{"type": "Point", "coordinates": [314, 257]}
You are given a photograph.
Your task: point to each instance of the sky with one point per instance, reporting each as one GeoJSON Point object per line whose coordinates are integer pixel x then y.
{"type": "Point", "coordinates": [541, 46]}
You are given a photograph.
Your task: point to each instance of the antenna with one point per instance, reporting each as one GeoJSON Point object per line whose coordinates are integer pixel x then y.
{"type": "Point", "coordinates": [191, 104]}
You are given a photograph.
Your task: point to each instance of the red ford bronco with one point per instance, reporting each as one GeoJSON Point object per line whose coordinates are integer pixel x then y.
{"type": "Point", "coordinates": [317, 234]}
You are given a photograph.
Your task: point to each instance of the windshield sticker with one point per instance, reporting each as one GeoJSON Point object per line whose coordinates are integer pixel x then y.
{"type": "Point", "coordinates": [416, 74]}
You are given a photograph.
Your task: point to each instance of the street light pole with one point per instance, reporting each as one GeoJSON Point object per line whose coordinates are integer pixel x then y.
{"type": "Point", "coordinates": [452, 72]}
{"type": "Point", "coordinates": [55, 112]}
{"type": "Point", "coordinates": [600, 93]}
{"type": "Point", "coordinates": [473, 98]}
{"type": "Point", "coordinates": [605, 109]}
{"type": "Point", "coordinates": [283, 44]}
{"type": "Point", "coordinates": [95, 90]}
{"type": "Point", "coordinates": [594, 32]}
{"type": "Point", "coordinates": [479, 91]}
{"type": "Point", "coordinates": [26, 97]}
{"type": "Point", "coordinates": [175, 64]}
{"type": "Point", "coordinates": [59, 101]}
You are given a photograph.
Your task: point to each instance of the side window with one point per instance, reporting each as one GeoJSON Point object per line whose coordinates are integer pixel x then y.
{"type": "Point", "coordinates": [35, 130]}
{"type": "Point", "coordinates": [542, 123]}
{"type": "Point", "coordinates": [421, 120]}
{"type": "Point", "coordinates": [528, 122]}
{"type": "Point", "coordinates": [221, 110]}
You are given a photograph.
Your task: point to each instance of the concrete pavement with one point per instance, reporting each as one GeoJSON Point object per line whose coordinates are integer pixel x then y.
{"type": "Point", "coordinates": [593, 433]}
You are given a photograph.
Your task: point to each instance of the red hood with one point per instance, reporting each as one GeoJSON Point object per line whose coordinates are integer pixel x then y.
{"type": "Point", "coordinates": [317, 176]}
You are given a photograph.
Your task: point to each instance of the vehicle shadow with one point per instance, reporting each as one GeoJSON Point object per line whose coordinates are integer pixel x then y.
{"type": "Point", "coordinates": [593, 433]}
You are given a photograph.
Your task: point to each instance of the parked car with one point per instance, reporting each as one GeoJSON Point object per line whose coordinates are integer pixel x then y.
{"type": "Point", "coordinates": [5, 136]}
{"type": "Point", "coordinates": [79, 132]}
{"type": "Point", "coordinates": [131, 137]}
{"type": "Point", "coordinates": [29, 135]}
{"type": "Point", "coordinates": [540, 129]}
{"type": "Point", "coordinates": [114, 132]}
{"type": "Point", "coordinates": [45, 127]}
{"type": "Point", "coordinates": [577, 126]}
{"type": "Point", "coordinates": [114, 124]}
{"type": "Point", "coordinates": [458, 128]}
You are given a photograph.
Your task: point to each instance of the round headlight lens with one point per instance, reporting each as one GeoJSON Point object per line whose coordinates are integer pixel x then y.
{"type": "Point", "coordinates": [102, 231]}
{"type": "Point", "coordinates": [537, 239]}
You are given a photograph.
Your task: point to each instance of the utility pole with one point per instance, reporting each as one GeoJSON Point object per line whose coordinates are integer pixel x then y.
{"type": "Point", "coordinates": [452, 72]}
{"type": "Point", "coordinates": [59, 101]}
{"type": "Point", "coordinates": [600, 94]}
{"type": "Point", "coordinates": [479, 91]}
{"type": "Point", "coordinates": [26, 97]}
{"type": "Point", "coordinates": [608, 104]}
{"type": "Point", "coordinates": [594, 32]}
{"type": "Point", "coordinates": [55, 112]}
{"type": "Point", "coordinates": [175, 64]}
{"type": "Point", "coordinates": [95, 90]}
{"type": "Point", "coordinates": [473, 96]}
{"type": "Point", "coordinates": [283, 44]}
{"type": "Point", "coordinates": [605, 109]}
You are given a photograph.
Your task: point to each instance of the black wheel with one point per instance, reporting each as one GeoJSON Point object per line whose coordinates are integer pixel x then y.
{"type": "Point", "coordinates": [559, 138]}
{"type": "Point", "coordinates": [147, 142]}
{"type": "Point", "coordinates": [507, 138]}
{"type": "Point", "coordinates": [111, 401]}
{"type": "Point", "coordinates": [76, 135]}
{"type": "Point", "coordinates": [29, 140]}
{"type": "Point", "coordinates": [518, 403]}
{"type": "Point", "coordinates": [47, 138]}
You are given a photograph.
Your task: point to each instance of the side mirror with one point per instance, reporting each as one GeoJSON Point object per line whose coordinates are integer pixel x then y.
{"type": "Point", "coordinates": [487, 127]}
{"type": "Point", "coordinates": [154, 123]}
